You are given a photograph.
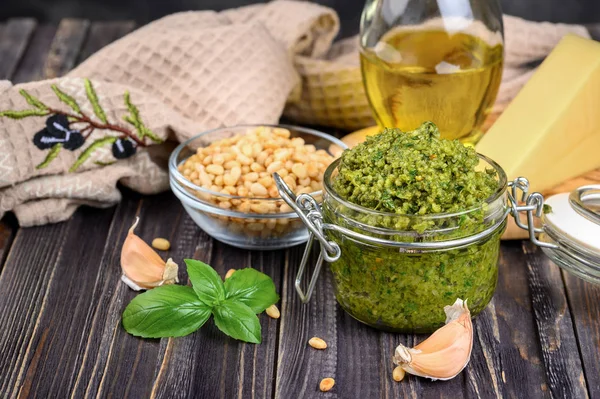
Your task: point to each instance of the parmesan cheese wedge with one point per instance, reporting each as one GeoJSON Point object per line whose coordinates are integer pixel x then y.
{"type": "Point", "coordinates": [551, 131]}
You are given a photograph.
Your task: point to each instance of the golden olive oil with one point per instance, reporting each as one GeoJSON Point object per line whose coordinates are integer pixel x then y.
{"type": "Point", "coordinates": [412, 76]}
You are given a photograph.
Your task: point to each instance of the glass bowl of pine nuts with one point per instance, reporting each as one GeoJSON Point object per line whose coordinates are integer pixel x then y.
{"type": "Point", "coordinates": [223, 178]}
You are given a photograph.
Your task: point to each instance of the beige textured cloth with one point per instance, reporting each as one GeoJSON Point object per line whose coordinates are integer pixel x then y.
{"type": "Point", "coordinates": [184, 74]}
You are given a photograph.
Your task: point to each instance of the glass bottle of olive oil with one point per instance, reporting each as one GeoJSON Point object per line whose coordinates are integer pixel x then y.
{"type": "Point", "coordinates": [446, 69]}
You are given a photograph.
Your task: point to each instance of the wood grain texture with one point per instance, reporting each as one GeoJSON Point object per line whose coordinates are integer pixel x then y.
{"type": "Point", "coordinates": [65, 47]}
{"type": "Point", "coordinates": [23, 290]}
{"type": "Point", "coordinates": [299, 367]}
{"type": "Point", "coordinates": [584, 304]}
{"type": "Point", "coordinates": [57, 339]}
{"type": "Point", "coordinates": [560, 352]}
{"type": "Point", "coordinates": [508, 328]}
{"type": "Point", "coordinates": [31, 67]}
{"type": "Point", "coordinates": [15, 36]}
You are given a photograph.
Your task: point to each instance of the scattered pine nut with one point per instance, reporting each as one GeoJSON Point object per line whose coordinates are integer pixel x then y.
{"type": "Point", "coordinates": [317, 343]}
{"type": "Point", "coordinates": [229, 273]}
{"type": "Point", "coordinates": [273, 312]}
{"type": "Point", "coordinates": [398, 374]}
{"type": "Point", "coordinates": [326, 384]}
{"type": "Point", "coordinates": [161, 244]}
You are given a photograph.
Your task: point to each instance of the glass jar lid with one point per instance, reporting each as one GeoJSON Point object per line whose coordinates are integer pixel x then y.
{"type": "Point", "coordinates": [573, 226]}
{"type": "Point", "coordinates": [572, 217]}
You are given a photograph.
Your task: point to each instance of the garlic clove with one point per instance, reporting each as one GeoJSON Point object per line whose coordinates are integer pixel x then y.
{"type": "Point", "coordinates": [446, 352]}
{"type": "Point", "coordinates": [142, 267]}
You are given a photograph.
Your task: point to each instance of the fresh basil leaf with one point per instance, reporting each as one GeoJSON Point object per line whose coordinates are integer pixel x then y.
{"type": "Point", "coordinates": [206, 282]}
{"type": "Point", "coordinates": [167, 311]}
{"type": "Point", "coordinates": [251, 287]}
{"type": "Point", "coordinates": [238, 321]}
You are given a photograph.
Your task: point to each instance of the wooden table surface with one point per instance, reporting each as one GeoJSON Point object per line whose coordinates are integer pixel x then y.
{"type": "Point", "coordinates": [61, 302]}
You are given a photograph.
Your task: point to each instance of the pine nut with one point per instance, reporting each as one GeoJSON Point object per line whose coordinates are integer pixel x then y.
{"type": "Point", "coordinates": [215, 169]}
{"type": "Point", "coordinates": [229, 273]}
{"type": "Point", "coordinates": [266, 181]}
{"type": "Point", "coordinates": [252, 176]}
{"type": "Point", "coordinates": [317, 343]}
{"type": "Point", "coordinates": [274, 167]}
{"type": "Point", "coordinates": [273, 312]}
{"type": "Point", "coordinates": [258, 189]}
{"type": "Point", "coordinates": [398, 374]}
{"type": "Point", "coordinates": [229, 179]}
{"type": "Point", "coordinates": [326, 384]}
{"type": "Point", "coordinates": [236, 172]}
{"type": "Point", "coordinates": [161, 244]}
{"type": "Point", "coordinates": [218, 159]}
{"type": "Point", "coordinates": [256, 167]}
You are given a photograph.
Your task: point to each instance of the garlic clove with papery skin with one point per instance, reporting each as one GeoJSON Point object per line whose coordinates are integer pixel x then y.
{"type": "Point", "coordinates": [142, 267]}
{"type": "Point", "coordinates": [446, 352]}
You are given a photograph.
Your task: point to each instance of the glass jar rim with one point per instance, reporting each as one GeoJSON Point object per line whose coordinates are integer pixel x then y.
{"type": "Point", "coordinates": [498, 192]}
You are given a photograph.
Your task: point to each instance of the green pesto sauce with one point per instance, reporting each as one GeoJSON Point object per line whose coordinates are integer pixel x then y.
{"type": "Point", "coordinates": [412, 173]}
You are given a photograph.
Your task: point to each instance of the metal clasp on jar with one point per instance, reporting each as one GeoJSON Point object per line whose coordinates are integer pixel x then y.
{"type": "Point", "coordinates": [534, 205]}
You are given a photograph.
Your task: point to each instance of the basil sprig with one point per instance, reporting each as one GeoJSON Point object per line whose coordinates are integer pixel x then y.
{"type": "Point", "coordinates": [175, 310]}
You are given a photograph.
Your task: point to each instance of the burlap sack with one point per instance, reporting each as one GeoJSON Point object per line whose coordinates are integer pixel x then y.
{"type": "Point", "coordinates": [68, 141]}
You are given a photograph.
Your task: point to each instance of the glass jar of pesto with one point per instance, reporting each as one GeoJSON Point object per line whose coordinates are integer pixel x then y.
{"type": "Point", "coordinates": [410, 222]}
{"type": "Point", "coordinates": [396, 272]}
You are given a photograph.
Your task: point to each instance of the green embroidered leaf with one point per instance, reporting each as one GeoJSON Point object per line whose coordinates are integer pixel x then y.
{"type": "Point", "coordinates": [31, 100]}
{"type": "Point", "coordinates": [93, 98]}
{"type": "Point", "coordinates": [90, 150]}
{"type": "Point", "coordinates": [134, 119]}
{"type": "Point", "coordinates": [52, 154]}
{"type": "Point", "coordinates": [24, 113]}
{"type": "Point", "coordinates": [67, 99]}
{"type": "Point", "coordinates": [100, 163]}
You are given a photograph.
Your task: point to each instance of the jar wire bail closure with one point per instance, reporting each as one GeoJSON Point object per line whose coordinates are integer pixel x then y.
{"type": "Point", "coordinates": [309, 212]}
{"type": "Point", "coordinates": [534, 205]}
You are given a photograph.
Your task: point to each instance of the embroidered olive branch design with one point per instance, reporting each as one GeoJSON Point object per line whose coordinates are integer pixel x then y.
{"type": "Point", "coordinates": [59, 134]}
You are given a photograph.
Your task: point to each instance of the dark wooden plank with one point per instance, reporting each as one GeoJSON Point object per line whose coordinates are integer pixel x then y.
{"type": "Point", "coordinates": [299, 367]}
{"type": "Point", "coordinates": [555, 328]}
{"type": "Point", "coordinates": [8, 230]}
{"type": "Point", "coordinates": [23, 290]}
{"type": "Point", "coordinates": [102, 34]}
{"type": "Point", "coordinates": [584, 304]}
{"type": "Point", "coordinates": [112, 363]}
{"type": "Point", "coordinates": [14, 37]}
{"type": "Point", "coordinates": [13, 41]}
{"type": "Point", "coordinates": [176, 371]}
{"type": "Point", "coordinates": [65, 47]}
{"type": "Point", "coordinates": [31, 67]}
{"type": "Point", "coordinates": [511, 325]}
{"type": "Point", "coordinates": [55, 340]}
